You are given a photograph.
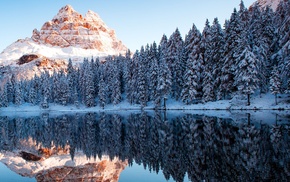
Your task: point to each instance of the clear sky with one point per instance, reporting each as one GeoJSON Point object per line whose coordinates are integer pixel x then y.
{"type": "Point", "coordinates": [136, 22]}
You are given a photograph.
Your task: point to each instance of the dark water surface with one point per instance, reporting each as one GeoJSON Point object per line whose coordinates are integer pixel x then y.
{"type": "Point", "coordinates": [162, 146]}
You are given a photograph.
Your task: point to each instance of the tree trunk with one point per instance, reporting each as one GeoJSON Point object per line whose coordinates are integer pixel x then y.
{"type": "Point", "coordinates": [164, 103]}
{"type": "Point", "coordinates": [249, 118]}
{"type": "Point", "coordinates": [249, 103]}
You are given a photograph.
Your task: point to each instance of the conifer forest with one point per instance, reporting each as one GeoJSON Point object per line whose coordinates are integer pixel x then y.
{"type": "Point", "coordinates": [249, 53]}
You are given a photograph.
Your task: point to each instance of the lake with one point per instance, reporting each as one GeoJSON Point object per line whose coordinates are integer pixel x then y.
{"type": "Point", "coordinates": [145, 146]}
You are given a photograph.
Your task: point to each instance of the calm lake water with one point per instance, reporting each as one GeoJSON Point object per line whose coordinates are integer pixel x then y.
{"type": "Point", "coordinates": [156, 146]}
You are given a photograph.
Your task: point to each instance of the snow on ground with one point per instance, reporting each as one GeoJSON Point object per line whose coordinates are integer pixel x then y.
{"type": "Point", "coordinates": [28, 46]}
{"type": "Point", "coordinates": [265, 102]}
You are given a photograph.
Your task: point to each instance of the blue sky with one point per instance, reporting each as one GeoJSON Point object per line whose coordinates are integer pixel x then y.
{"type": "Point", "coordinates": [136, 22]}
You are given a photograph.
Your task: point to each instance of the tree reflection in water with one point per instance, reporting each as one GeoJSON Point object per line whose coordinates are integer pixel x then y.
{"type": "Point", "coordinates": [206, 148]}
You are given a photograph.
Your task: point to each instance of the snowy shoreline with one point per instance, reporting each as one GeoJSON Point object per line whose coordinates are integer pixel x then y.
{"type": "Point", "coordinates": [266, 102]}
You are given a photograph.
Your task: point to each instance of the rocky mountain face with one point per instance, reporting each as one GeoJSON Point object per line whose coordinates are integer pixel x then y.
{"type": "Point", "coordinates": [68, 35]}
{"type": "Point", "coordinates": [69, 28]}
{"type": "Point", "coordinates": [271, 3]}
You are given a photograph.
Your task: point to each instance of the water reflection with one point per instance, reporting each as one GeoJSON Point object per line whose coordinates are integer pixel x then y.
{"type": "Point", "coordinates": [203, 147]}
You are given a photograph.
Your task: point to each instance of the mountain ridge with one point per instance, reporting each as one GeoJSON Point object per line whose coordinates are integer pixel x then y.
{"type": "Point", "coordinates": [69, 34]}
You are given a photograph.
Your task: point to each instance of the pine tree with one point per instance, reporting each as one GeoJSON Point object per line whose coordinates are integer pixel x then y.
{"type": "Point", "coordinates": [164, 81]}
{"type": "Point", "coordinates": [275, 83]}
{"type": "Point", "coordinates": [153, 84]}
{"type": "Point", "coordinates": [192, 75]}
{"type": "Point", "coordinates": [233, 48]}
{"type": "Point", "coordinates": [246, 76]}
{"type": "Point", "coordinates": [32, 94]}
{"type": "Point", "coordinates": [115, 84]}
{"type": "Point", "coordinates": [4, 97]}
{"type": "Point", "coordinates": [189, 92]}
{"type": "Point", "coordinates": [207, 72]}
{"type": "Point", "coordinates": [258, 43]}
{"type": "Point", "coordinates": [142, 85]}
{"type": "Point", "coordinates": [18, 94]}
{"type": "Point", "coordinates": [175, 62]}
{"type": "Point", "coordinates": [218, 46]}
{"type": "Point", "coordinates": [45, 85]}
{"type": "Point", "coordinates": [129, 75]}
{"type": "Point", "coordinates": [102, 88]}
{"type": "Point", "coordinates": [153, 71]}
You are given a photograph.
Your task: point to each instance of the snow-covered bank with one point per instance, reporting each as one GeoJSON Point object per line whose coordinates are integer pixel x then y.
{"type": "Point", "coordinates": [265, 102]}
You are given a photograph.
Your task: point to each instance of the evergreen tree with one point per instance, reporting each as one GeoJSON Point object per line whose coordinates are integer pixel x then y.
{"type": "Point", "coordinates": [175, 62]}
{"type": "Point", "coordinates": [233, 48]}
{"type": "Point", "coordinates": [189, 92]}
{"type": "Point", "coordinates": [142, 85]}
{"type": "Point", "coordinates": [207, 70]}
{"type": "Point", "coordinates": [275, 83]}
{"type": "Point", "coordinates": [18, 94]}
{"type": "Point", "coordinates": [153, 84]}
{"type": "Point", "coordinates": [164, 81]}
{"type": "Point", "coordinates": [115, 84]}
{"type": "Point", "coordinates": [102, 88]}
{"type": "Point", "coordinates": [246, 79]}
{"type": "Point", "coordinates": [4, 102]}
{"type": "Point", "coordinates": [129, 75]}
{"type": "Point", "coordinates": [45, 85]}
{"type": "Point", "coordinates": [32, 94]}
{"type": "Point", "coordinates": [218, 46]}
{"type": "Point", "coordinates": [64, 91]}
{"type": "Point", "coordinates": [192, 73]}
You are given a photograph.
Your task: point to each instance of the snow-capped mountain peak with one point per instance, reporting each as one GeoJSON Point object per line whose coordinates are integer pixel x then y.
{"type": "Point", "coordinates": [69, 34]}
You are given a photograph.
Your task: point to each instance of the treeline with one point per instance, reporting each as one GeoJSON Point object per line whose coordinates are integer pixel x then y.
{"type": "Point", "coordinates": [250, 54]}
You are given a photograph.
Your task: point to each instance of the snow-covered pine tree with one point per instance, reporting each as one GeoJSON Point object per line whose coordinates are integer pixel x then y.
{"type": "Point", "coordinates": [175, 62]}
{"type": "Point", "coordinates": [72, 81]}
{"type": "Point", "coordinates": [192, 73]}
{"type": "Point", "coordinates": [207, 81]}
{"type": "Point", "coordinates": [153, 84]}
{"type": "Point", "coordinates": [46, 85]}
{"type": "Point", "coordinates": [18, 94]}
{"type": "Point", "coordinates": [164, 81]}
{"type": "Point", "coordinates": [283, 13]}
{"type": "Point", "coordinates": [233, 48]}
{"type": "Point", "coordinates": [191, 38]}
{"type": "Point", "coordinates": [142, 85]}
{"type": "Point", "coordinates": [89, 90]}
{"type": "Point", "coordinates": [63, 89]}
{"type": "Point", "coordinates": [258, 45]}
{"type": "Point", "coordinates": [165, 76]}
{"type": "Point", "coordinates": [275, 83]}
{"type": "Point", "coordinates": [244, 14]}
{"type": "Point", "coordinates": [191, 79]}
{"type": "Point", "coordinates": [153, 71]}
{"type": "Point", "coordinates": [32, 94]}
{"type": "Point", "coordinates": [11, 89]}
{"type": "Point", "coordinates": [218, 46]}
{"type": "Point", "coordinates": [102, 88]}
{"type": "Point", "coordinates": [115, 83]}
{"type": "Point", "coordinates": [129, 70]}
{"type": "Point", "coordinates": [4, 102]}
{"type": "Point", "coordinates": [246, 76]}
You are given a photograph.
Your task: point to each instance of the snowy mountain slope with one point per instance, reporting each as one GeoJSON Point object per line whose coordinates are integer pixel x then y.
{"type": "Point", "coordinates": [271, 3]}
{"type": "Point", "coordinates": [67, 35]}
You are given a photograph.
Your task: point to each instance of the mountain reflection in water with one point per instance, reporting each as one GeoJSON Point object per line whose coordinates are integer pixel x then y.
{"type": "Point", "coordinates": [201, 147]}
